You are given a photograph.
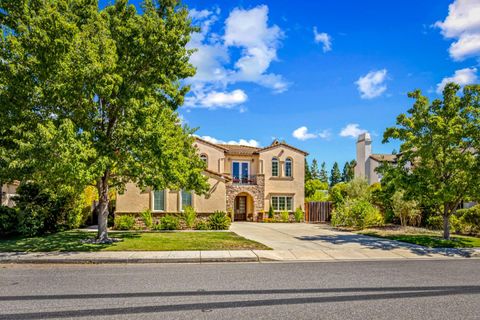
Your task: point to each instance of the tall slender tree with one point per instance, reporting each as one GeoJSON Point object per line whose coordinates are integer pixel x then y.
{"type": "Point", "coordinates": [348, 171]}
{"type": "Point", "coordinates": [314, 170]}
{"type": "Point", "coordinates": [335, 175]}
{"type": "Point", "coordinates": [323, 173]}
{"type": "Point", "coordinates": [101, 87]}
{"type": "Point", "coordinates": [308, 173]}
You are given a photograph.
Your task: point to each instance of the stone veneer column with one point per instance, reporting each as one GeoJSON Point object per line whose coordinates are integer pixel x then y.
{"type": "Point", "coordinates": [256, 191]}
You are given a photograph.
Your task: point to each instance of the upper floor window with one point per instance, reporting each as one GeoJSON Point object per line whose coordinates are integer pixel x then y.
{"type": "Point", "coordinates": [204, 158]}
{"type": "Point", "coordinates": [159, 200]}
{"type": "Point", "coordinates": [185, 199]}
{"type": "Point", "coordinates": [288, 167]}
{"type": "Point", "coordinates": [275, 168]}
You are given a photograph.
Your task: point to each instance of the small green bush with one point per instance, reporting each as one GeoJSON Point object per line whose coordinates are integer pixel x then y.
{"type": "Point", "coordinates": [284, 216]}
{"type": "Point", "coordinates": [299, 215]}
{"type": "Point", "coordinates": [435, 222]}
{"type": "Point", "coordinates": [147, 218]}
{"type": "Point", "coordinates": [189, 216]}
{"type": "Point", "coordinates": [356, 213]}
{"type": "Point", "coordinates": [470, 219]}
{"type": "Point", "coordinates": [169, 222]}
{"type": "Point", "coordinates": [271, 214]}
{"type": "Point", "coordinates": [8, 220]}
{"type": "Point", "coordinates": [201, 225]}
{"type": "Point", "coordinates": [406, 210]}
{"type": "Point", "coordinates": [124, 222]}
{"type": "Point", "coordinates": [219, 221]}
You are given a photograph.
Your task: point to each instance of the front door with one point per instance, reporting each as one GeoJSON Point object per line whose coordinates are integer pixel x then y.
{"type": "Point", "coordinates": [240, 208]}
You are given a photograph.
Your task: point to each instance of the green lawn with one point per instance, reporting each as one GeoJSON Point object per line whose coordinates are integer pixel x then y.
{"type": "Point", "coordinates": [432, 240]}
{"type": "Point", "coordinates": [132, 241]}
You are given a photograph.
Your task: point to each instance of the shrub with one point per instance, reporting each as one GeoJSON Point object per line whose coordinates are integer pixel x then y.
{"type": "Point", "coordinates": [189, 216]}
{"type": "Point", "coordinates": [284, 216]}
{"type": "Point", "coordinates": [406, 210]}
{"type": "Point", "coordinates": [338, 194]}
{"type": "Point", "coordinates": [470, 219]}
{"type": "Point", "coordinates": [299, 215]}
{"type": "Point", "coordinates": [219, 221]}
{"type": "Point", "coordinates": [147, 218]}
{"type": "Point", "coordinates": [201, 225]}
{"type": "Point", "coordinates": [8, 220]}
{"type": "Point", "coordinates": [358, 188]}
{"type": "Point", "coordinates": [271, 214]}
{"type": "Point", "coordinates": [44, 210]}
{"type": "Point", "coordinates": [169, 222]}
{"type": "Point", "coordinates": [356, 213]}
{"type": "Point", "coordinates": [124, 222]}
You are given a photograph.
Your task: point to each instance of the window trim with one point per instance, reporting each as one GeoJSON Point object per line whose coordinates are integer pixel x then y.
{"type": "Point", "coordinates": [205, 159]}
{"type": "Point", "coordinates": [285, 201]}
{"type": "Point", "coordinates": [164, 201]}
{"type": "Point", "coordinates": [289, 160]}
{"type": "Point", "coordinates": [277, 161]}
{"type": "Point", "coordinates": [180, 199]}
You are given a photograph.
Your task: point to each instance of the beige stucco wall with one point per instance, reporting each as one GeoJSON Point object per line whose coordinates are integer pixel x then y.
{"type": "Point", "coordinates": [133, 200]}
{"type": "Point", "coordinates": [253, 160]}
{"type": "Point", "coordinates": [215, 156]}
{"type": "Point", "coordinates": [284, 185]}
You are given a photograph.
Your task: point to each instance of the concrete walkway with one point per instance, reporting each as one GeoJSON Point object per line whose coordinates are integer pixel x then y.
{"type": "Point", "coordinates": [300, 241]}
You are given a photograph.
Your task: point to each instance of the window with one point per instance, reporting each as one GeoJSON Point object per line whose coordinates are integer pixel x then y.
{"type": "Point", "coordinates": [275, 167]}
{"type": "Point", "coordinates": [288, 167]}
{"type": "Point", "coordinates": [185, 199]}
{"type": "Point", "coordinates": [204, 158]}
{"type": "Point", "coordinates": [282, 203]}
{"type": "Point", "coordinates": [240, 171]}
{"type": "Point", "coordinates": [159, 200]}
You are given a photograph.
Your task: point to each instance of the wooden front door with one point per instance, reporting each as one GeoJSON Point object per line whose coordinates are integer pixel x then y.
{"type": "Point", "coordinates": [240, 208]}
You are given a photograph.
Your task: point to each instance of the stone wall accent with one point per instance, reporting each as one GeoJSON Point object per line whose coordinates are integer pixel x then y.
{"type": "Point", "coordinates": [257, 192]}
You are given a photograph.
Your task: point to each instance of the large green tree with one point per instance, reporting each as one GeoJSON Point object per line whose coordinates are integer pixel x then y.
{"type": "Point", "coordinates": [348, 172]}
{"type": "Point", "coordinates": [314, 169]}
{"type": "Point", "coordinates": [100, 87]}
{"type": "Point", "coordinates": [438, 163]}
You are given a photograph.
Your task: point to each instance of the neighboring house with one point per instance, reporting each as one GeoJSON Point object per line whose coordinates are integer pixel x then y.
{"type": "Point", "coordinates": [368, 162]}
{"type": "Point", "coordinates": [7, 193]}
{"type": "Point", "coordinates": [243, 180]}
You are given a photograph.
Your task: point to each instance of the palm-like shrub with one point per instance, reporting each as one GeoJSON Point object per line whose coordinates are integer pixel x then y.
{"type": "Point", "coordinates": [219, 221]}
{"type": "Point", "coordinates": [189, 216]}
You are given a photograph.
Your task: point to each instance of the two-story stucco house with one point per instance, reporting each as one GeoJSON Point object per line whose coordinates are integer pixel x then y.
{"type": "Point", "coordinates": [243, 180]}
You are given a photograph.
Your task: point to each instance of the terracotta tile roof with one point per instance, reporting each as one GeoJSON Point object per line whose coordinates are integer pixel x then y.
{"type": "Point", "coordinates": [215, 145]}
{"type": "Point", "coordinates": [277, 143]}
{"type": "Point", "coordinates": [239, 149]}
{"type": "Point", "coordinates": [384, 157]}
{"type": "Point", "coordinates": [224, 176]}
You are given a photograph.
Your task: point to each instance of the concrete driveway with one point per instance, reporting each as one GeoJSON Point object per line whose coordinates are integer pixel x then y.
{"type": "Point", "coordinates": [301, 241]}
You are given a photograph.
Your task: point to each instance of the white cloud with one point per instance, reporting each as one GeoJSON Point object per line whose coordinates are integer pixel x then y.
{"type": "Point", "coordinates": [352, 130]}
{"type": "Point", "coordinates": [462, 24]}
{"type": "Point", "coordinates": [215, 99]}
{"type": "Point", "coordinates": [323, 38]}
{"type": "Point", "coordinates": [303, 134]}
{"type": "Point", "coordinates": [241, 142]}
{"type": "Point", "coordinates": [461, 77]}
{"type": "Point", "coordinates": [248, 37]}
{"type": "Point", "coordinates": [372, 84]}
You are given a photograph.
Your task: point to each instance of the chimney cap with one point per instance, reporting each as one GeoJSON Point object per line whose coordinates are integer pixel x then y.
{"type": "Point", "coordinates": [364, 137]}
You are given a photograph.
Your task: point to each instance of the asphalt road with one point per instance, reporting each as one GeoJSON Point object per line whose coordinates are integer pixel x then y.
{"type": "Point", "coordinates": [335, 290]}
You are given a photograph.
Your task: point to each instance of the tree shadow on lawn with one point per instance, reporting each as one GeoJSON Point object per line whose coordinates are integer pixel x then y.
{"type": "Point", "coordinates": [358, 294]}
{"type": "Point", "coordinates": [59, 242]}
{"type": "Point", "coordinates": [372, 242]}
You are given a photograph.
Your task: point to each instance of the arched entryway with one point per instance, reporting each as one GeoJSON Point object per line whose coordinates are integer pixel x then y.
{"type": "Point", "coordinates": [243, 207]}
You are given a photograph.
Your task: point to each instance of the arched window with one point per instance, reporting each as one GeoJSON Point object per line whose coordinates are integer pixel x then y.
{"type": "Point", "coordinates": [204, 158]}
{"type": "Point", "coordinates": [275, 167]}
{"type": "Point", "coordinates": [288, 167]}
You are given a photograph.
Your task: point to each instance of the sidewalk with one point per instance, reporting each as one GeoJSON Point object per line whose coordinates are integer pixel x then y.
{"type": "Point", "coordinates": [224, 256]}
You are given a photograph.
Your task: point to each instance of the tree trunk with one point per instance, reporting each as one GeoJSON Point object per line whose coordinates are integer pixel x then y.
{"type": "Point", "coordinates": [446, 223]}
{"type": "Point", "coordinates": [102, 187]}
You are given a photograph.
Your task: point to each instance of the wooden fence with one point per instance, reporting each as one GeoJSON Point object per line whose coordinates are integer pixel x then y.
{"type": "Point", "coordinates": [316, 212]}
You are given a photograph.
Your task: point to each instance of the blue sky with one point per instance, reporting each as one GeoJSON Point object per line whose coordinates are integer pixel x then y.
{"type": "Point", "coordinates": [306, 71]}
